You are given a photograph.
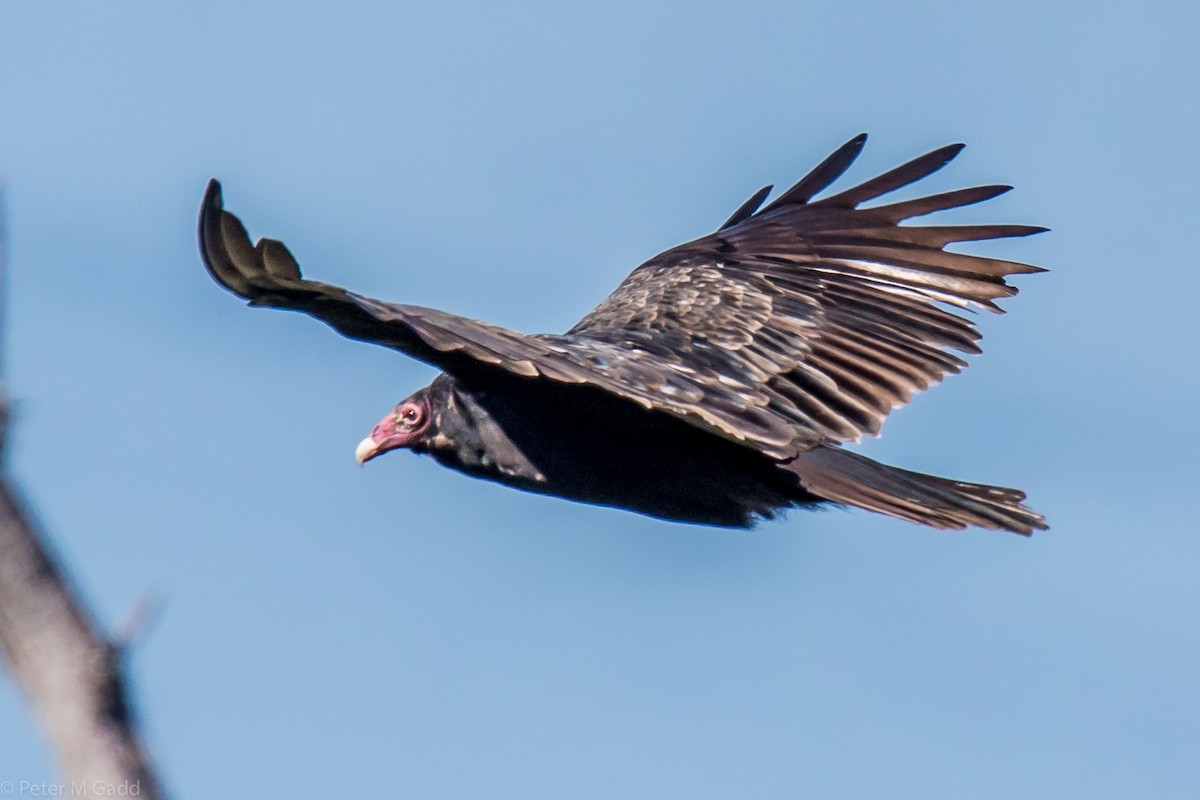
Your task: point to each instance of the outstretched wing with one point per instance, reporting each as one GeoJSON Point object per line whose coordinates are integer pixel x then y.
{"type": "Point", "coordinates": [266, 274]}
{"type": "Point", "coordinates": [820, 314]}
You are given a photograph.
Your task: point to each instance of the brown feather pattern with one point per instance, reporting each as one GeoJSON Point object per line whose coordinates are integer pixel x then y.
{"type": "Point", "coordinates": [849, 321]}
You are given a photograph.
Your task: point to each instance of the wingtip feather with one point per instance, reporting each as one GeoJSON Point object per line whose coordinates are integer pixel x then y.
{"type": "Point", "coordinates": [212, 194]}
{"type": "Point", "coordinates": [822, 175]}
{"type": "Point", "coordinates": [747, 209]}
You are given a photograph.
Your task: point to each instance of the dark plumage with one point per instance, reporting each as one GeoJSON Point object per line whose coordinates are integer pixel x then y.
{"type": "Point", "coordinates": [717, 383]}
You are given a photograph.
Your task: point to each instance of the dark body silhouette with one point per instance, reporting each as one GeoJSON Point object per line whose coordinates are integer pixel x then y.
{"type": "Point", "coordinates": [717, 383]}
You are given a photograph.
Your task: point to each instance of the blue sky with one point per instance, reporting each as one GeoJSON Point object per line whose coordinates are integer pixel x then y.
{"type": "Point", "coordinates": [405, 631]}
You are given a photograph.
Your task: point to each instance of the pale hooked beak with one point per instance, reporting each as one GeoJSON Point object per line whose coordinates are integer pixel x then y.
{"type": "Point", "coordinates": [366, 450]}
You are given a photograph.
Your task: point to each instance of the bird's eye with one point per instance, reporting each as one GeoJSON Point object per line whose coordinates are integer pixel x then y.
{"type": "Point", "coordinates": [410, 414]}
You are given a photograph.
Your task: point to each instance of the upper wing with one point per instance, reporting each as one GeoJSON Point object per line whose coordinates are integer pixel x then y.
{"type": "Point", "coordinates": [266, 274]}
{"type": "Point", "coordinates": [820, 314]}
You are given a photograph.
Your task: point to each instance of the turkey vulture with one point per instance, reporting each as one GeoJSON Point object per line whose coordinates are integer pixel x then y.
{"type": "Point", "coordinates": [717, 384]}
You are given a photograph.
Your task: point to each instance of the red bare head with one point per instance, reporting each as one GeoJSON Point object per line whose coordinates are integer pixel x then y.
{"type": "Point", "coordinates": [404, 426]}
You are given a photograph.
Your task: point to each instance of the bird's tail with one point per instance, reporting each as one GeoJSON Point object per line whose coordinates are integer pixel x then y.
{"type": "Point", "coordinates": [844, 477]}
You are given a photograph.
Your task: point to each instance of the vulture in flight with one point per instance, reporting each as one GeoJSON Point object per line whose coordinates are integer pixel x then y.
{"type": "Point", "coordinates": [720, 380]}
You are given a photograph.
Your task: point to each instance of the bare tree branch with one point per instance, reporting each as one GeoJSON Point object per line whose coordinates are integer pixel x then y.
{"type": "Point", "coordinates": [70, 672]}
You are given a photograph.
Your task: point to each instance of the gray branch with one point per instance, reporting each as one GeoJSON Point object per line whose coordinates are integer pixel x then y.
{"type": "Point", "coordinates": [69, 672]}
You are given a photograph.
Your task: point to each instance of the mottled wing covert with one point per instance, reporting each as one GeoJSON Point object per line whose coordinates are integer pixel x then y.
{"type": "Point", "coordinates": [821, 314]}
